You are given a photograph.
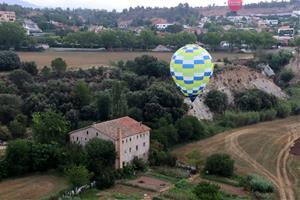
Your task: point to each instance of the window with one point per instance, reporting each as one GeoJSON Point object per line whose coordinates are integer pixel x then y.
{"type": "Point", "coordinates": [97, 134]}
{"type": "Point", "coordinates": [144, 144]}
{"type": "Point", "coordinates": [130, 139]}
{"type": "Point", "coordinates": [77, 138]}
{"type": "Point", "coordinates": [129, 149]}
{"type": "Point", "coordinates": [137, 137]}
{"type": "Point", "coordinates": [122, 141]}
{"type": "Point", "coordinates": [123, 163]}
{"type": "Point", "coordinates": [85, 139]}
{"type": "Point", "coordinates": [137, 147]}
{"type": "Point", "coordinates": [126, 140]}
{"type": "Point", "coordinates": [87, 132]}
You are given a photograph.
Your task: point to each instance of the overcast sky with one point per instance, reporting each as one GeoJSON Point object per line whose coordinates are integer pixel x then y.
{"type": "Point", "coordinates": [120, 4]}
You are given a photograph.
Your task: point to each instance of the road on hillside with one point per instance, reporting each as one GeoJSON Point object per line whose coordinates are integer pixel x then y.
{"type": "Point", "coordinates": [262, 148]}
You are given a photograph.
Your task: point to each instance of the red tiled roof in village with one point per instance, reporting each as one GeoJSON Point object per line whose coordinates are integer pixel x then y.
{"type": "Point", "coordinates": [127, 125]}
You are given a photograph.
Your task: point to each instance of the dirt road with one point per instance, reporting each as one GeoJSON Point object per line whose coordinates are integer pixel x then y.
{"type": "Point", "coordinates": [262, 148]}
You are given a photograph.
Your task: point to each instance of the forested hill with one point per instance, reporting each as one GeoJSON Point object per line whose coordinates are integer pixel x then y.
{"type": "Point", "coordinates": [139, 16]}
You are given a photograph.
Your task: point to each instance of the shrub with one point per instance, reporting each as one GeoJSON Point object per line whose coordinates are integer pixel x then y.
{"type": "Point", "coordinates": [217, 101]}
{"type": "Point", "coordinates": [237, 119]}
{"type": "Point", "coordinates": [139, 164]}
{"type": "Point", "coordinates": [18, 157]}
{"type": "Point", "coordinates": [59, 65]}
{"type": "Point", "coordinates": [19, 77]}
{"type": "Point", "coordinates": [9, 61]}
{"type": "Point", "coordinates": [284, 109]}
{"type": "Point", "coordinates": [78, 175]}
{"type": "Point", "coordinates": [3, 169]}
{"type": "Point", "coordinates": [256, 183]}
{"type": "Point", "coordinates": [208, 191]}
{"type": "Point", "coordinates": [286, 76]}
{"type": "Point", "coordinates": [17, 129]}
{"type": "Point", "coordinates": [105, 179]}
{"type": "Point", "coordinates": [220, 164]}
{"type": "Point", "coordinates": [4, 133]}
{"type": "Point", "coordinates": [30, 67]}
{"type": "Point", "coordinates": [268, 115]}
{"type": "Point", "coordinates": [255, 100]}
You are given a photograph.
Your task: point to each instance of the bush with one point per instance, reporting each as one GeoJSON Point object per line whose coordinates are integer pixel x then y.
{"type": "Point", "coordinates": [59, 65]}
{"type": "Point", "coordinates": [19, 77]}
{"type": "Point", "coordinates": [217, 101]}
{"type": "Point", "coordinates": [3, 169]}
{"type": "Point", "coordinates": [17, 129]}
{"type": "Point", "coordinates": [237, 119]}
{"type": "Point", "coordinates": [220, 164]}
{"type": "Point", "coordinates": [78, 175]}
{"type": "Point", "coordinates": [9, 61]}
{"type": "Point", "coordinates": [256, 183]}
{"type": "Point", "coordinates": [284, 109]}
{"type": "Point", "coordinates": [105, 179]}
{"type": "Point", "coordinates": [255, 100]}
{"type": "Point", "coordinates": [139, 164]}
{"type": "Point", "coordinates": [18, 157]}
{"type": "Point", "coordinates": [4, 133]}
{"type": "Point", "coordinates": [268, 115]}
{"type": "Point", "coordinates": [208, 191]}
{"type": "Point", "coordinates": [30, 67]}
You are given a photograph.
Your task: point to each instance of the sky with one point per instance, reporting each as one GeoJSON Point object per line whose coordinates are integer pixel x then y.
{"type": "Point", "coordinates": [121, 4]}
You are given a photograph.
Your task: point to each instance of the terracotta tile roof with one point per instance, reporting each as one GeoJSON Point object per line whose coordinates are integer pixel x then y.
{"type": "Point", "coordinates": [127, 125]}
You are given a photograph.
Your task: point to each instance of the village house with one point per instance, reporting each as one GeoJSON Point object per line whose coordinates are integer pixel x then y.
{"type": "Point", "coordinates": [7, 16]}
{"type": "Point", "coordinates": [131, 138]}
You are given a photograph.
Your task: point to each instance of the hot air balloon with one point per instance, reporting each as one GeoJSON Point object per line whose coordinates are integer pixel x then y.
{"type": "Point", "coordinates": [235, 5]}
{"type": "Point", "coordinates": [191, 68]}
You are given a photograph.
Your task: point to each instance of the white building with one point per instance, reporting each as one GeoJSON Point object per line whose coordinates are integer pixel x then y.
{"type": "Point", "coordinates": [7, 16]}
{"type": "Point", "coordinates": [162, 26]}
{"type": "Point", "coordinates": [131, 138]}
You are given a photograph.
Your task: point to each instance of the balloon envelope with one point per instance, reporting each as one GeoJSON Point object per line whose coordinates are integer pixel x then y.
{"type": "Point", "coordinates": [235, 5]}
{"type": "Point", "coordinates": [191, 68]}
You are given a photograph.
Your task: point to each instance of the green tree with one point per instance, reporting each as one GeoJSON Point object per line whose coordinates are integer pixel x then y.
{"type": "Point", "coordinates": [17, 129]}
{"type": "Point", "coordinates": [82, 94]}
{"type": "Point", "coordinates": [30, 67]}
{"type": "Point", "coordinates": [10, 107]}
{"type": "Point", "coordinates": [208, 191]}
{"type": "Point", "coordinates": [101, 155]}
{"type": "Point", "coordinates": [175, 28]}
{"type": "Point", "coordinates": [59, 65]}
{"type": "Point", "coordinates": [286, 76]}
{"type": "Point", "coordinates": [220, 164]}
{"type": "Point", "coordinates": [11, 35]}
{"type": "Point", "coordinates": [104, 106]}
{"type": "Point", "coordinates": [43, 156]}
{"type": "Point", "coordinates": [119, 101]}
{"type": "Point", "coordinates": [50, 127]}
{"type": "Point", "coordinates": [9, 60]}
{"type": "Point", "coordinates": [18, 157]}
{"type": "Point", "coordinates": [217, 101]}
{"type": "Point", "coordinates": [46, 71]}
{"type": "Point", "coordinates": [190, 128]}
{"type": "Point", "coordinates": [213, 39]}
{"type": "Point", "coordinates": [19, 77]}
{"type": "Point", "coordinates": [78, 175]}
{"type": "Point", "coordinates": [148, 39]}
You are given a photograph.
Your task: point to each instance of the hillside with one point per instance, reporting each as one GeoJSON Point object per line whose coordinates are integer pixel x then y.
{"type": "Point", "coordinates": [294, 65]}
{"type": "Point", "coordinates": [20, 3]}
{"type": "Point", "coordinates": [231, 81]}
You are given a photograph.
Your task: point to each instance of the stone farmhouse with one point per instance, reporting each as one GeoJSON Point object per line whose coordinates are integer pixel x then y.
{"type": "Point", "coordinates": [131, 138]}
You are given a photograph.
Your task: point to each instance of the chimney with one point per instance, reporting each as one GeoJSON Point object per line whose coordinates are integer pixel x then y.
{"type": "Point", "coordinates": [120, 148]}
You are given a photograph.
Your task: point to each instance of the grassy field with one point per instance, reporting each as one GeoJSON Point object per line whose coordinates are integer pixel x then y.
{"type": "Point", "coordinates": [88, 59]}
{"type": "Point", "coordinates": [31, 187]}
{"type": "Point", "coordinates": [262, 148]}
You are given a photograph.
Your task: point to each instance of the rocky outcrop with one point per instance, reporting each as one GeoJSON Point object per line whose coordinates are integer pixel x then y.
{"type": "Point", "coordinates": [231, 81]}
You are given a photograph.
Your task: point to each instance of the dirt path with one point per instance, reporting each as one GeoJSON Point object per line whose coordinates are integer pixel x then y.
{"type": "Point", "coordinates": [281, 180]}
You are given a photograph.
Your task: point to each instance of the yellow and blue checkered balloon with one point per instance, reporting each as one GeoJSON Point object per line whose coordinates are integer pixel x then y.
{"type": "Point", "coordinates": [191, 68]}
